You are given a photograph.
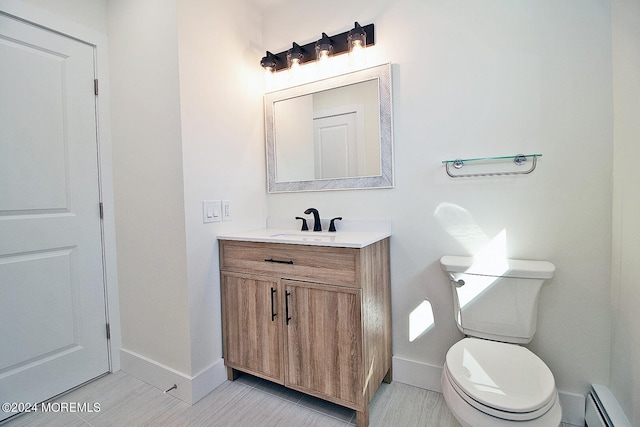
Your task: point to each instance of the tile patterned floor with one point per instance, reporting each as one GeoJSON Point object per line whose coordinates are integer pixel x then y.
{"type": "Point", "coordinates": [246, 402]}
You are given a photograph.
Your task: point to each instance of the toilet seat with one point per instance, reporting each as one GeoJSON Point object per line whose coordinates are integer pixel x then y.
{"type": "Point", "coordinates": [506, 381]}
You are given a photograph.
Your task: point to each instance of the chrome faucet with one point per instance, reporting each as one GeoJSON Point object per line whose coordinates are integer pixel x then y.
{"type": "Point", "coordinates": [316, 218]}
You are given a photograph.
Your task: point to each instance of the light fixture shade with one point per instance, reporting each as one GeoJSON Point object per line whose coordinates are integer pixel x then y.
{"type": "Point", "coordinates": [356, 39]}
{"type": "Point", "coordinates": [294, 56]}
{"type": "Point", "coordinates": [324, 48]}
{"type": "Point", "coordinates": [269, 63]}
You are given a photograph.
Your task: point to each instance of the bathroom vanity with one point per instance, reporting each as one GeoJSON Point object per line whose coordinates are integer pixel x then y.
{"type": "Point", "coordinates": [309, 310]}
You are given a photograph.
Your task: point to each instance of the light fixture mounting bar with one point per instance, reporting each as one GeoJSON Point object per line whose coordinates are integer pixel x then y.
{"type": "Point", "coordinates": [339, 43]}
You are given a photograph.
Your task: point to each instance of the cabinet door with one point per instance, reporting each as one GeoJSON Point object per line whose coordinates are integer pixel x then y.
{"type": "Point", "coordinates": [323, 344]}
{"type": "Point", "coordinates": [252, 325]}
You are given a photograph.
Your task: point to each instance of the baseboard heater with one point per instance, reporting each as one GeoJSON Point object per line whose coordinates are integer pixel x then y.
{"type": "Point", "coordinates": [603, 409]}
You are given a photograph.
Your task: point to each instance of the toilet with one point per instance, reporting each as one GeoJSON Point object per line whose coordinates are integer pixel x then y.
{"type": "Point", "coordinates": [489, 379]}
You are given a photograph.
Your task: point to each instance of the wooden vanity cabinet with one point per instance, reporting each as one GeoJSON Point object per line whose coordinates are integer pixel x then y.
{"type": "Point", "coordinates": [316, 319]}
{"type": "Point", "coordinates": [252, 331]}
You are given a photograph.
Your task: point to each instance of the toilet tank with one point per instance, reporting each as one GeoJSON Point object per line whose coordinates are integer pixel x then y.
{"type": "Point", "coordinates": [497, 299]}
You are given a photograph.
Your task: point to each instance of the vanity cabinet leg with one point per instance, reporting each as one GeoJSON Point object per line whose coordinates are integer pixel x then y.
{"type": "Point", "coordinates": [362, 417]}
{"type": "Point", "coordinates": [389, 377]}
{"type": "Point", "coordinates": [232, 374]}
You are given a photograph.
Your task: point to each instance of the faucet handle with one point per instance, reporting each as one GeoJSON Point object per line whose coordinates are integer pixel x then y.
{"type": "Point", "coordinates": [332, 226]}
{"type": "Point", "coordinates": [305, 227]}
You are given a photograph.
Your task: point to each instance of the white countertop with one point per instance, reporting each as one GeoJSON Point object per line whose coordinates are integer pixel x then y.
{"type": "Point", "coordinates": [344, 239]}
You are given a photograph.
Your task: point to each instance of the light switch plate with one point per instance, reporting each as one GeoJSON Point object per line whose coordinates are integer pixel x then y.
{"type": "Point", "coordinates": [211, 211]}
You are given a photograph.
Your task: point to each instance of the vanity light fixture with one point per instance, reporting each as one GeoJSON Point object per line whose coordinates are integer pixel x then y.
{"type": "Point", "coordinates": [350, 41]}
{"type": "Point", "coordinates": [294, 56]}
{"type": "Point", "coordinates": [324, 48]}
{"type": "Point", "coordinates": [356, 39]}
{"type": "Point", "coordinates": [269, 63]}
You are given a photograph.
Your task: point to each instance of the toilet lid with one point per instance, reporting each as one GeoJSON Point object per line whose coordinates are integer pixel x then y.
{"type": "Point", "coordinates": [503, 377]}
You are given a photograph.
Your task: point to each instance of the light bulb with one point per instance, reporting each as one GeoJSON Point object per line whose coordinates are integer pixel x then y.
{"type": "Point", "coordinates": [323, 55]}
{"type": "Point", "coordinates": [357, 41]}
{"type": "Point", "coordinates": [324, 48]}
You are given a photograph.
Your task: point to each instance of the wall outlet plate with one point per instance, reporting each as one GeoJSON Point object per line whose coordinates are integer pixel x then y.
{"type": "Point", "coordinates": [226, 210]}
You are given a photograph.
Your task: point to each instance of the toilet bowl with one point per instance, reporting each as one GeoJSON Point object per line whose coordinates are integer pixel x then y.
{"type": "Point", "coordinates": [489, 379]}
{"type": "Point", "coordinates": [488, 383]}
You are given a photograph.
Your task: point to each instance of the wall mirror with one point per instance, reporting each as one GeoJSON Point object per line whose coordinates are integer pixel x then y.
{"type": "Point", "coordinates": [331, 134]}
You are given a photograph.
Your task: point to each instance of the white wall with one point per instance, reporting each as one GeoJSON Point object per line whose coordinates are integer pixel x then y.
{"type": "Point", "coordinates": [148, 180]}
{"type": "Point", "coordinates": [91, 14]}
{"type": "Point", "coordinates": [480, 79]}
{"type": "Point", "coordinates": [222, 147]}
{"type": "Point", "coordinates": [187, 127]}
{"type": "Point", "coordinates": [625, 354]}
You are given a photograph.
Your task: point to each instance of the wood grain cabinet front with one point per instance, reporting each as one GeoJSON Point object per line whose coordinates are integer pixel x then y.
{"type": "Point", "coordinates": [252, 328]}
{"type": "Point", "coordinates": [319, 322]}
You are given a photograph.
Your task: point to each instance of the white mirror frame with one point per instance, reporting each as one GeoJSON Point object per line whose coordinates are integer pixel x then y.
{"type": "Point", "coordinates": [385, 180]}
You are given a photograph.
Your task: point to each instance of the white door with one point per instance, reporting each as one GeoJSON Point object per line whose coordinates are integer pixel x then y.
{"type": "Point", "coordinates": [339, 143]}
{"type": "Point", "coordinates": [52, 301]}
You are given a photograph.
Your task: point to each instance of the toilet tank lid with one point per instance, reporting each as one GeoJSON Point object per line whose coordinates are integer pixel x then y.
{"type": "Point", "coordinates": [501, 267]}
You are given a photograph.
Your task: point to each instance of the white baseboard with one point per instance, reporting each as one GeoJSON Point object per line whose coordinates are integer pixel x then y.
{"type": "Point", "coordinates": [207, 380]}
{"type": "Point", "coordinates": [427, 376]}
{"type": "Point", "coordinates": [417, 374]}
{"type": "Point", "coordinates": [189, 389]}
{"type": "Point", "coordinates": [573, 407]}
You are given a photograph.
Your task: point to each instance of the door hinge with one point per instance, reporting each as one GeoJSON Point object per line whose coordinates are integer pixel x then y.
{"type": "Point", "coordinates": [101, 210]}
{"type": "Point", "coordinates": [108, 331]}
{"type": "Point", "coordinates": [95, 87]}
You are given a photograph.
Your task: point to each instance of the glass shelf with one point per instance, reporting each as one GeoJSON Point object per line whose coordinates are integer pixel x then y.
{"type": "Point", "coordinates": [518, 159]}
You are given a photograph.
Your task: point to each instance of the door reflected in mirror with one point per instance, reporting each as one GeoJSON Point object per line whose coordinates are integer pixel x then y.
{"type": "Point", "coordinates": [331, 134]}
